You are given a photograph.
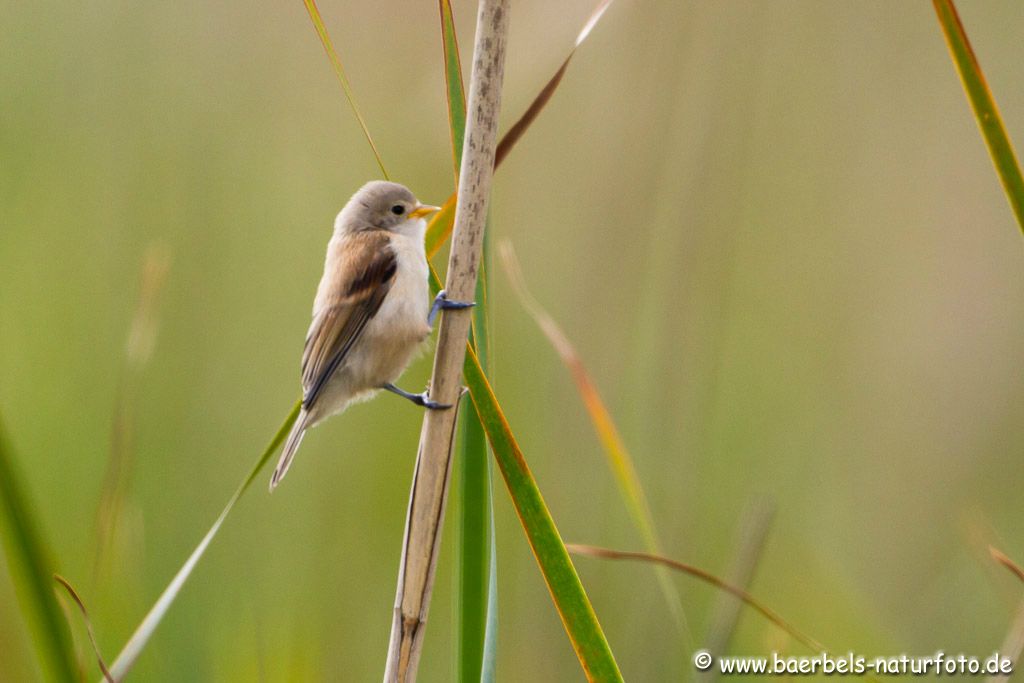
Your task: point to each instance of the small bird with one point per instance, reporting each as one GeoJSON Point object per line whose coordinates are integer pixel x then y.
{"type": "Point", "coordinates": [372, 309]}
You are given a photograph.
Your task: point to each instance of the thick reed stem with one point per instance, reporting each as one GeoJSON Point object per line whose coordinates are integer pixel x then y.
{"type": "Point", "coordinates": [433, 461]}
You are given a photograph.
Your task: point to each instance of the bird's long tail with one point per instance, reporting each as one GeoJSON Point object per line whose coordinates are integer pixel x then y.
{"type": "Point", "coordinates": [291, 445]}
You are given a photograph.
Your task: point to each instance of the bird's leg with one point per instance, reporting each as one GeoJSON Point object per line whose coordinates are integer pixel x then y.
{"type": "Point", "coordinates": [441, 301]}
{"type": "Point", "coordinates": [418, 399]}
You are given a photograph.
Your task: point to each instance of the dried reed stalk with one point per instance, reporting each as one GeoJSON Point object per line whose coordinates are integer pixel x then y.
{"type": "Point", "coordinates": [433, 461]}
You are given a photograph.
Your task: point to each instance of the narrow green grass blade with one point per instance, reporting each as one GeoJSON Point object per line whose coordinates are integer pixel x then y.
{"type": "Point", "coordinates": [574, 608]}
{"type": "Point", "coordinates": [31, 570]}
{"type": "Point", "coordinates": [473, 556]}
{"type": "Point", "coordinates": [483, 345]}
{"type": "Point", "coordinates": [491, 628]}
{"type": "Point", "coordinates": [476, 543]}
{"type": "Point", "coordinates": [133, 648]}
{"type": "Point", "coordinates": [339, 71]}
{"type": "Point", "coordinates": [453, 82]}
{"type": "Point", "coordinates": [986, 113]}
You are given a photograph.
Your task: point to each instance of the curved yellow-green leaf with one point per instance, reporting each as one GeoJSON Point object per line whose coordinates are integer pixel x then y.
{"type": "Point", "coordinates": [339, 71]}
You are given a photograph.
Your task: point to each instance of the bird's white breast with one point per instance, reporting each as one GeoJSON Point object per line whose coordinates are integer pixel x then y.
{"type": "Point", "coordinates": [406, 305]}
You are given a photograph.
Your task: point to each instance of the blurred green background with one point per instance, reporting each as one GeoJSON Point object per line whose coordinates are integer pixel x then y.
{"type": "Point", "coordinates": [772, 230]}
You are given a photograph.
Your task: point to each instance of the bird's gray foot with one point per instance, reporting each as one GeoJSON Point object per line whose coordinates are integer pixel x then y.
{"type": "Point", "coordinates": [442, 302]}
{"type": "Point", "coordinates": [419, 399]}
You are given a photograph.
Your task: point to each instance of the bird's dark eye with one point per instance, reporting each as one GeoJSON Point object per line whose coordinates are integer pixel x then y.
{"type": "Point", "coordinates": [398, 209]}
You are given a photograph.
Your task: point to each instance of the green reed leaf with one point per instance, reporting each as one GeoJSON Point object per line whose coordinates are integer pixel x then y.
{"type": "Point", "coordinates": [986, 113]}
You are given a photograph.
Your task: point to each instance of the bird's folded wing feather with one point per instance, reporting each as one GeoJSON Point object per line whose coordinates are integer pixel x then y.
{"type": "Point", "coordinates": [363, 277]}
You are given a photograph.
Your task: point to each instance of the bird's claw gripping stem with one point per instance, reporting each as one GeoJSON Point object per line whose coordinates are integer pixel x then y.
{"type": "Point", "coordinates": [442, 302]}
{"type": "Point", "coordinates": [420, 399]}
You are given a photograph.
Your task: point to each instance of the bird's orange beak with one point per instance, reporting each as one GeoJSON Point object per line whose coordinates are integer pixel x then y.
{"type": "Point", "coordinates": [423, 210]}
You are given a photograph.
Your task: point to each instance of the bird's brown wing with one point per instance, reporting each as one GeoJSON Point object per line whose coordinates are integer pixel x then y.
{"type": "Point", "coordinates": [363, 277]}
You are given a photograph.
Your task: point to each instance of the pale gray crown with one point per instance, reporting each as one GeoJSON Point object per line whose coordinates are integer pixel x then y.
{"type": "Point", "coordinates": [379, 204]}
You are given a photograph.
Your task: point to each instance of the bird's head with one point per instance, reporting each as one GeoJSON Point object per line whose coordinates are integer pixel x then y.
{"type": "Point", "coordinates": [383, 205]}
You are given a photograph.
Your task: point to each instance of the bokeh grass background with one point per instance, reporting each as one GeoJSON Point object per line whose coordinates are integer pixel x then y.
{"type": "Point", "coordinates": [771, 229]}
